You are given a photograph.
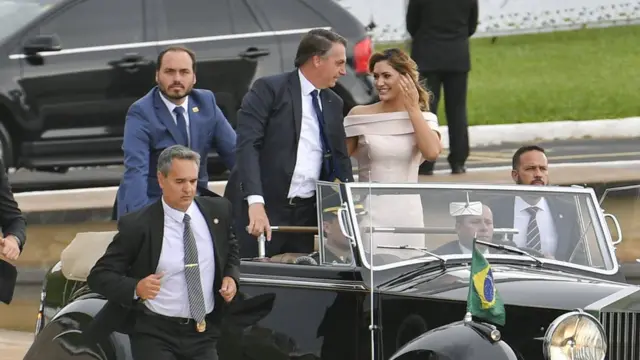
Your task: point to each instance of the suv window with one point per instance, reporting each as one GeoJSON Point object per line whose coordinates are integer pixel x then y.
{"type": "Point", "coordinates": [97, 22]}
{"type": "Point", "coordinates": [198, 18]}
{"type": "Point", "coordinates": [290, 14]}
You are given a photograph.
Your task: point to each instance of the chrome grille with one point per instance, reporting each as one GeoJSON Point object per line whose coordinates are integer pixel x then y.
{"type": "Point", "coordinates": [622, 330]}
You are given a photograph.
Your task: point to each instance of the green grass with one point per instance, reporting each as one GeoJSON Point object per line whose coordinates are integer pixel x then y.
{"type": "Point", "coordinates": [567, 75]}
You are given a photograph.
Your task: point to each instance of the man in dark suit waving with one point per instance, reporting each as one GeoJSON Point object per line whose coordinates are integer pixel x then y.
{"type": "Point", "coordinates": [290, 134]}
{"type": "Point", "coordinates": [170, 269]}
{"type": "Point", "coordinates": [171, 113]}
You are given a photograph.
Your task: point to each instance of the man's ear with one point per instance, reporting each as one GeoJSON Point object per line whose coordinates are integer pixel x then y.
{"type": "Point", "coordinates": [514, 175]}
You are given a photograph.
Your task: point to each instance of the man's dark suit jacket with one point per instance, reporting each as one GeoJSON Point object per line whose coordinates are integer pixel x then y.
{"type": "Point", "coordinates": [440, 32]}
{"type": "Point", "coordinates": [565, 220]}
{"type": "Point", "coordinates": [134, 254]}
{"type": "Point", "coordinates": [149, 128]}
{"type": "Point", "coordinates": [13, 223]}
{"type": "Point", "coordinates": [268, 129]}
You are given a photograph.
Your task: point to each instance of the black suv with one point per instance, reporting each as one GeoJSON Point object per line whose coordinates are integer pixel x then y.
{"type": "Point", "coordinates": [70, 69]}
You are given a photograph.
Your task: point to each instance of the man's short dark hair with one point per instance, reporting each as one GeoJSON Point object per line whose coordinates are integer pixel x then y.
{"type": "Point", "coordinates": [515, 162]}
{"type": "Point", "coordinates": [192, 55]}
{"type": "Point", "coordinates": [317, 42]}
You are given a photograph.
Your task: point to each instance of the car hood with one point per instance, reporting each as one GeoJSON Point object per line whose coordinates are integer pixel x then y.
{"type": "Point", "coordinates": [517, 286]}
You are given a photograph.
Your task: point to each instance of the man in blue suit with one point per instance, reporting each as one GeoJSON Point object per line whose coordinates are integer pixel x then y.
{"type": "Point", "coordinates": [171, 113]}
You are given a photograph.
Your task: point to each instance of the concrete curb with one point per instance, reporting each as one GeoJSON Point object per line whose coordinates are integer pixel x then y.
{"type": "Point", "coordinates": [486, 135]}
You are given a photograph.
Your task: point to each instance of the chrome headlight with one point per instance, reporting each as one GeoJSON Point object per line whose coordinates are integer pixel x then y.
{"type": "Point", "coordinates": [575, 336]}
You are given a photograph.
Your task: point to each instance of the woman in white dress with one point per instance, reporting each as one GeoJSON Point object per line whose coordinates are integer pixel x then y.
{"type": "Point", "coordinates": [390, 139]}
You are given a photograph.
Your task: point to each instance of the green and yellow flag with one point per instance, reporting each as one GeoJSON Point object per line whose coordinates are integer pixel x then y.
{"type": "Point", "coordinates": [484, 301]}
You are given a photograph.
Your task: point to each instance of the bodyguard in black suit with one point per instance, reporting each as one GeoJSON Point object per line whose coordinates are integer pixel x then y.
{"type": "Point", "coordinates": [440, 32]}
{"type": "Point", "coordinates": [552, 226]}
{"type": "Point", "coordinates": [171, 268]}
{"type": "Point", "coordinates": [290, 134]}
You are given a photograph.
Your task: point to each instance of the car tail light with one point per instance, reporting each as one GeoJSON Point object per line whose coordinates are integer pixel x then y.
{"type": "Point", "coordinates": [361, 53]}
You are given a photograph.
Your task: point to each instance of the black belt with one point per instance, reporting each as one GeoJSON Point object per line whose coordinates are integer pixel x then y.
{"type": "Point", "coordinates": [174, 319]}
{"type": "Point", "coordinates": [295, 201]}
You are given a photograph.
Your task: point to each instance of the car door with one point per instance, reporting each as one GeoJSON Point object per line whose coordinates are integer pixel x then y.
{"type": "Point", "coordinates": [231, 48]}
{"type": "Point", "coordinates": [288, 311]}
{"type": "Point", "coordinates": [80, 94]}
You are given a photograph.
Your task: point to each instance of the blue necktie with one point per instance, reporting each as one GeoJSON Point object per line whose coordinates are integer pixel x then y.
{"type": "Point", "coordinates": [182, 125]}
{"type": "Point", "coordinates": [327, 158]}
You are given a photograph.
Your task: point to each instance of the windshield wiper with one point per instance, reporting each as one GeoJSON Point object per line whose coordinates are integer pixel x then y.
{"type": "Point", "coordinates": [511, 249]}
{"type": "Point", "coordinates": [443, 261]}
{"type": "Point", "coordinates": [413, 272]}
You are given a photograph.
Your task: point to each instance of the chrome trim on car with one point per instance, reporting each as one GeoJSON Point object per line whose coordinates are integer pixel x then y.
{"type": "Point", "coordinates": [306, 283]}
{"type": "Point", "coordinates": [481, 187]}
{"type": "Point", "coordinates": [167, 42]}
{"type": "Point", "coordinates": [622, 329]}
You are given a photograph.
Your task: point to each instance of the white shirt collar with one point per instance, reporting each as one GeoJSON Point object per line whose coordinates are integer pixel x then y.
{"type": "Point", "coordinates": [171, 106]}
{"type": "Point", "coordinates": [305, 85]}
{"type": "Point", "coordinates": [177, 215]}
{"type": "Point", "coordinates": [522, 206]}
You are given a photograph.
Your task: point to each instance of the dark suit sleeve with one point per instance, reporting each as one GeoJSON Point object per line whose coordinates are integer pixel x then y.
{"type": "Point", "coordinates": [473, 17]}
{"type": "Point", "coordinates": [108, 276]}
{"type": "Point", "coordinates": [414, 13]}
{"type": "Point", "coordinates": [252, 121]}
{"type": "Point", "coordinates": [136, 145]}
{"type": "Point", "coordinates": [11, 218]}
{"type": "Point", "coordinates": [232, 267]}
{"type": "Point", "coordinates": [224, 137]}
{"type": "Point", "coordinates": [341, 153]}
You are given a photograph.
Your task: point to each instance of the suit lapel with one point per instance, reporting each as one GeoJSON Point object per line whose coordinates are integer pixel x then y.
{"type": "Point", "coordinates": [156, 233]}
{"type": "Point", "coordinates": [216, 230]}
{"type": "Point", "coordinates": [296, 100]}
{"type": "Point", "coordinates": [194, 124]}
{"type": "Point", "coordinates": [327, 114]}
{"type": "Point", "coordinates": [562, 225]}
{"type": "Point", "coordinates": [165, 117]}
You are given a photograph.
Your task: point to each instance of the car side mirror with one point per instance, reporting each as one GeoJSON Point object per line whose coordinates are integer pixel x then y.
{"type": "Point", "coordinates": [40, 43]}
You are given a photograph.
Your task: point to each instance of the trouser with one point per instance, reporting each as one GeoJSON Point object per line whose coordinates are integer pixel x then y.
{"type": "Point", "coordinates": [455, 93]}
{"type": "Point", "coordinates": [157, 337]}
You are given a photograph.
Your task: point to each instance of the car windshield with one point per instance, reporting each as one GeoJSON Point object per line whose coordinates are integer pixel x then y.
{"type": "Point", "coordinates": [413, 222]}
{"type": "Point", "coordinates": [16, 13]}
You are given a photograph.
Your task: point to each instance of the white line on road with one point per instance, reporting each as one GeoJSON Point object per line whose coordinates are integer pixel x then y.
{"type": "Point", "coordinates": [88, 191]}
{"type": "Point", "coordinates": [551, 166]}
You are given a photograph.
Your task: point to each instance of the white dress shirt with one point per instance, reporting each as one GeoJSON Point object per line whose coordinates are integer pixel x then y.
{"type": "Point", "coordinates": [173, 298]}
{"type": "Point", "coordinates": [185, 106]}
{"type": "Point", "coordinates": [521, 216]}
{"type": "Point", "coordinates": [309, 154]}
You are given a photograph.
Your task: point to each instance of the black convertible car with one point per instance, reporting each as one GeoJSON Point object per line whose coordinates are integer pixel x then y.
{"type": "Point", "coordinates": [390, 280]}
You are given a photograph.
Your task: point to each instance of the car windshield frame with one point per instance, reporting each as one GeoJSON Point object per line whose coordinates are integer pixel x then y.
{"type": "Point", "coordinates": [611, 265]}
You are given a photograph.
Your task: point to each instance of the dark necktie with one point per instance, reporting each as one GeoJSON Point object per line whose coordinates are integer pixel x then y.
{"type": "Point", "coordinates": [533, 232]}
{"type": "Point", "coordinates": [192, 272]}
{"type": "Point", "coordinates": [327, 158]}
{"type": "Point", "coordinates": [182, 125]}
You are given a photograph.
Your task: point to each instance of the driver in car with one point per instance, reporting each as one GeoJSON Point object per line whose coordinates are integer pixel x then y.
{"type": "Point", "coordinates": [468, 226]}
{"type": "Point", "coordinates": [337, 249]}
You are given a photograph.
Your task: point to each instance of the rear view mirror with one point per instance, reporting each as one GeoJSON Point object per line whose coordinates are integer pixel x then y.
{"type": "Point", "coordinates": [40, 43]}
{"type": "Point", "coordinates": [465, 208]}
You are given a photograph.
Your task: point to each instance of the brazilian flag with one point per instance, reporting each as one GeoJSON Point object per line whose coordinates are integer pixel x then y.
{"type": "Point", "coordinates": [484, 302]}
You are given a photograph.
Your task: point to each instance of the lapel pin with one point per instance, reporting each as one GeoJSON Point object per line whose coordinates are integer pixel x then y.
{"type": "Point", "coordinates": [215, 221]}
{"type": "Point", "coordinates": [195, 109]}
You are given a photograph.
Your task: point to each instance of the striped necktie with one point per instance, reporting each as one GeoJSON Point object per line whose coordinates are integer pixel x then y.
{"type": "Point", "coordinates": [533, 232]}
{"type": "Point", "coordinates": [192, 272]}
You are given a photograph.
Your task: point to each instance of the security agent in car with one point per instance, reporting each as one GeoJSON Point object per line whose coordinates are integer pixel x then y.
{"type": "Point", "coordinates": [337, 249]}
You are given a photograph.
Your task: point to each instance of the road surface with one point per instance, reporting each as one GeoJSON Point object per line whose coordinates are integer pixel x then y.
{"type": "Point", "coordinates": [566, 151]}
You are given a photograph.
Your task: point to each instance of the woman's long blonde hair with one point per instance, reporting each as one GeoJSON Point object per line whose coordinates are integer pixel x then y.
{"type": "Point", "coordinates": [402, 63]}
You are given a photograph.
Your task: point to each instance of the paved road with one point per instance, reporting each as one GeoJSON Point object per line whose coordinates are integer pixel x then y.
{"type": "Point", "coordinates": [571, 151]}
